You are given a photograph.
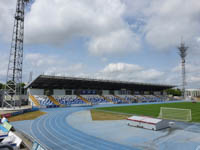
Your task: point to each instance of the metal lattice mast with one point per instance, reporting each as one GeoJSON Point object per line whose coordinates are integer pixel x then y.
{"type": "Point", "coordinates": [183, 53]}
{"type": "Point", "coordinates": [14, 72]}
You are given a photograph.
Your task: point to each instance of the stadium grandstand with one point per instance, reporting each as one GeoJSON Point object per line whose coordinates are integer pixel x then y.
{"type": "Point", "coordinates": [54, 91]}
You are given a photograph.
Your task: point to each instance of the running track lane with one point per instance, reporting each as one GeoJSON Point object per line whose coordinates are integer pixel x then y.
{"type": "Point", "coordinates": [53, 131]}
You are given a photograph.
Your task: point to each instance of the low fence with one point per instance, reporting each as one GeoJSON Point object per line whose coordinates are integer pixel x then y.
{"type": "Point", "coordinates": [62, 106]}
{"type": "Point", "coordinates": [7, 115]}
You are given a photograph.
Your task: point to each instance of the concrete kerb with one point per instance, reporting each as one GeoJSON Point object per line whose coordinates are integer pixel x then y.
{"type": "Point", "coordinates": [31, 139]}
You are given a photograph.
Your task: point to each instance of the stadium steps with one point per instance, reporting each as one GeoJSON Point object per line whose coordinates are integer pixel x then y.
{"type": "Point", "coordinates": [138, 99]}
{"type": "Point", "coordinates": [125, 101]}
{"type": "Point", "coordinates": [34, 100]}
{"type": "Point", "coordinates": [51, 98]}
{"type": "Point", "coordinates": [135, 100]}
{"type": "Point", "coordinates": [84, 99]}
{"type": "Point", "coordinates": [107, 99]}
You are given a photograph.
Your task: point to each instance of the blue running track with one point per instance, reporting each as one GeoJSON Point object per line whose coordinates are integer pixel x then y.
{"type": "Point", "coordinates": [53, 131]}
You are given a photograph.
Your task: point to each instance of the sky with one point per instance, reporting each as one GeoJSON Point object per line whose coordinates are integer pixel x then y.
{"type": "Point", "coordinates": [128, 40]}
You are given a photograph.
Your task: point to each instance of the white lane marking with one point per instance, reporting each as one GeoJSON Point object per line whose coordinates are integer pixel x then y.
{"type": "Point", "coordinates": [72, 136]}
{"type": "Point", "coordinates": [58, 137]}
{"type": "Point", "coordinates": [100, 142]}
{"type": "Point", "coordinates": [31, 129]}
{"type": "Point", "coordinates": [46, 138]}
{"type": "Point", "coordinates": [44, 126]}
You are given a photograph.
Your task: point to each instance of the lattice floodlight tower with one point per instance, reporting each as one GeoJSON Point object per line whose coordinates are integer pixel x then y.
{"type": "Point", "coordinates": [14, 73]}
{"type": "Point", "coordinates": [183, 53]}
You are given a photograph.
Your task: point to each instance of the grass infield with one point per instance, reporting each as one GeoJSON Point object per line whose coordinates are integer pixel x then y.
{"type": "Point", "coordinates": [101, 115]}
{"type": "Point", "coordinates": [153, 110]}
{"type": "Point", "coordinates": [27, 116]}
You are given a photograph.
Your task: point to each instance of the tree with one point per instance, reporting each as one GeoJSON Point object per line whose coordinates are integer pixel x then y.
{"type": "Point", "coordinates": [1, 86]}
{"type": "Point", "coordinates": [12, 85]}
{"type": "Point", "coordinates": [174, 92]}
{"type": "Point", "coordinates": [22, 88]}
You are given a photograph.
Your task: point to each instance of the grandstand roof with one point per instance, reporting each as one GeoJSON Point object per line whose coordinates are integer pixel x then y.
{"type": "Point", "coordinates": [60, 82]}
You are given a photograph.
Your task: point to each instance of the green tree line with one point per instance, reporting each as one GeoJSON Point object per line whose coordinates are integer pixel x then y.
{"type": "Point", "coordinates": [174, 92]}
{"type": "Point", "coordinates": [2, 86]}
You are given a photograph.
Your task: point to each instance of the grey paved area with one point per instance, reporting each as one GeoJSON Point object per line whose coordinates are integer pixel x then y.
{"type": "Point", "coordinates": [182, 136]}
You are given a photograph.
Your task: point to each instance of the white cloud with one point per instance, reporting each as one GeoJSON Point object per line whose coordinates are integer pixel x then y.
{"type": "Point", "coordinates": [7, 10]}
{"type": "Point", "coordinates": [137, 73]}
{"type": "Point", "coordinates": [135, 8]}
{"type": "Point", "coordinates": [121, 67]}
{"type": "Point", "coordinates": [38, 60]}
{"type": "Point", "coordinates": [50, 64]}
{"type": "Point", "coordinates": [43, 64]}
{"type": "Point", "coordinates": [190, 68]}
{"type": "Point", "coordinates": [99, 21]}
{"type": "Point", "coordinates": [55, 22]}
{"type": "Point", "coordinates": [192, 74]}
{"type": "Point", "coordinates": [130, 72]}
{"type": "Point", "coordinates": [166, 21]}
{"type": "Point", "coordinates": [169, 20]}
{"type": "Point", "coordinates": [67, 18]}
{"type": "Point", "coordinates": [3, 67]}
{"type": "Point", "coordinates": [104, 59]}
{"type": "Point", "coordinates": [118, 42]}
{"type": "Point", "coordinates": [194, 79]}
{"type": "Point", "coordinates": [105, 27]}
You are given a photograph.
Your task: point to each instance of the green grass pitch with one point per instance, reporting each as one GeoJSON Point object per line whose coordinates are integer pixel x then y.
{"type": "Point", "coordinates": [153, 110]}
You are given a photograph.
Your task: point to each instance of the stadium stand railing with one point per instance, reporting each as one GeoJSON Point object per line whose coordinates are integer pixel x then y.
{"type": "Point", "coordinates": [81, 100]}
{"type": "Point", "coordinates": [151, 98]}
{"type": "Point", "coordinates": [121, 98]}
{"type": "Point", "coordinates": [69, 100]}
{"type": "Point", "coordinates": [44, 100]}
{"type": "Point", "coordinates": [95, 99]}
{"type": "Point", "coordinates": [114, 99]}
{"type": "Point", "coordinates": [162, 97]}
{"type": "Point", "coordinates": [107, 99]}
{"type": "Point", "coordinates": [129, 98]}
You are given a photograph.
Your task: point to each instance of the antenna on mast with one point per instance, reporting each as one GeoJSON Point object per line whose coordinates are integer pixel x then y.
{"type": "Point", "coordinates": [30, 77]}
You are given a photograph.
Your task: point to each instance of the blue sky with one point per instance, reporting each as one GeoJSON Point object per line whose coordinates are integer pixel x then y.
{"type": "Point", "coordinates": [134, 40]}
